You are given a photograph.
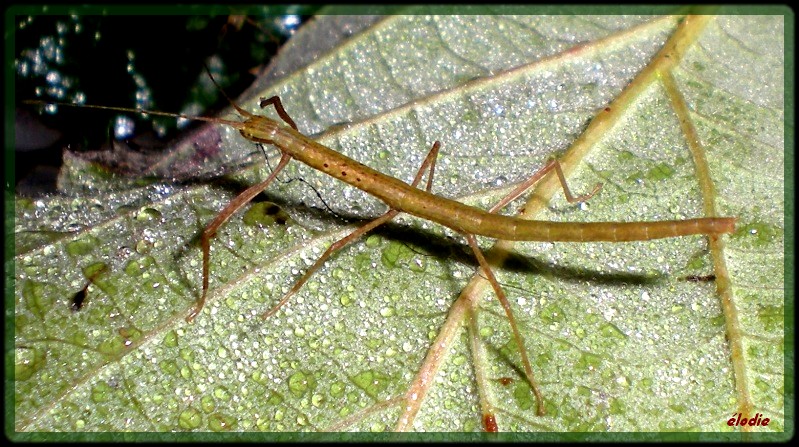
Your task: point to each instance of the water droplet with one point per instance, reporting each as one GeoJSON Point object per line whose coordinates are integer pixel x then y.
{"type": "Point", "coordinates": [143, 247]}
{"type": "Point", "coordinates": [147, 214]}
{"type": "Point", "coordinates": [221, 422]}
{"type": "Point", "coordinates": [207, 404]}
{"type": "Point", "coordinates": [346, 299]}
{"type": "Point", "coordinates": [221, 393]}
{"type": "Point", "coordinates": [169, 367]}
{"type": "Point", "coordinates": [300, 383]}
{"type": "Point", "coordinates": [190, 419]}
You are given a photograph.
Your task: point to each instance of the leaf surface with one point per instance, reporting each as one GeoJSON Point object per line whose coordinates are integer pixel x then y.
{"type": "Point", "coordinates": [622, 336]}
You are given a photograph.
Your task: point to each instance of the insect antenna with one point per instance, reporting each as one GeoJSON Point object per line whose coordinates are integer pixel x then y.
{"type": "Point", "coordinates": [222, 91]}
{"type": "Point", "coordinates": [234, 124]}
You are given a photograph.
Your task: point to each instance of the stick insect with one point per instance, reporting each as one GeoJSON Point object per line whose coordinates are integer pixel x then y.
{"type": "Point", "coordinates": [409, 198]}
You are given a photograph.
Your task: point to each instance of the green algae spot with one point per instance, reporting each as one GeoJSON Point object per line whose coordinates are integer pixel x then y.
{"type": "Point", "coordinates": [588, 361]}
{"type": "Point", "coordinates": [100, 392]}
{"type": "Point", "coordinates": [35, 298]}
{"type": "Point", "coordinates": [187, 355]}
{"type": "Point", "coordinates": [762, 385]}
{"type": "Point", "coordinates": [94, 270]}
{"type": "Point", "coordinates": [112, 346]}
{"type": "Point", "coordinates": [373, 343]}
{"type": "Point", "coordinates": [190, 419]}
{"type": "Point", "coordinates": [611, 332]}
{"type": "Point", "coordinates": [523, 395]}
{"type": "Point", "coordinates": [98, 274]}
{"type": "Point", "coordinates": [678, 408]}
{"type": "Point", "coordinates": [697, 262]}
{"type": "Point", "coordinates": [265, 214]}
{"type": "Point", "coordinates": [373, 241]}
{"type": "Point", "coordinates": [469, 117]}
{"type": "Point", "coordinates": [137, 267]}
{"type": "Point", "coordinates": [300, 383]}
{"type": "Point", "coordinates": [362, 261]}
{"type": "Point", "coordinates": [27, 361]}
{"type": "Point", "coordinates": [617, 407]}
{"type": "Point", "coordinates": [634, 176]}
{"type": "Point", "coordinates": [772, 317]}
{"type": "Point", "coordinates": [130, 334]}
{"type": "Point", "coordinates": [82, 246]}
{"type": "Point", "coordinates": [552, 314]}
{"type": "Point", "coordinates": [391, 254]}
{"type": "Point", "coordinates": [371, 382]}
{"type": "Point", "coordinates": [337, 389]}
{"type": "Point", "coordinates": [274, 399]}
{"type": "Point", "coordinates": [545, 357]}
{"type": "Point", "coordinates": [717, 321]}
{"type": "Point", "coordinates": [661, 171]}
{"type": "Point", "coordinates": [756, 235]}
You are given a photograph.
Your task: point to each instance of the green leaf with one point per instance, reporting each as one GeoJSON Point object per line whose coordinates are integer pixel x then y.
{"type": "Point", "coordinates": [622, 337]}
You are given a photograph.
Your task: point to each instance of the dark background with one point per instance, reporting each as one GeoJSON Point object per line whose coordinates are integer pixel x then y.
{"type": "Point", "coordinates": [100, 59]}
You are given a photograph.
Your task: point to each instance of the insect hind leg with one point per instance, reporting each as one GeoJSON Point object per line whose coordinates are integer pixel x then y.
{"type": "Point", "coordinates": [535, 178]}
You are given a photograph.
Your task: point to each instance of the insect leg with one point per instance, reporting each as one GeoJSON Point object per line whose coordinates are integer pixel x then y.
{"type": "Point", "coordinates": [209, 232]}
{"type": "Point", "coordinates": [503, 300]}
{"type": "Point", "coordinates": [430, 161]}
{"type": "Point", "coordinates": [275, 101]}
{"type": "Point", "coordinates": [553, 164]}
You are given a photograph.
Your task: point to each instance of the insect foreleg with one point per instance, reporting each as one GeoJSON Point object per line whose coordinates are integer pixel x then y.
{"type": "Point", "coordinates": [209, 232]}
{"type": "Point", "coordinates": [281, 112]}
